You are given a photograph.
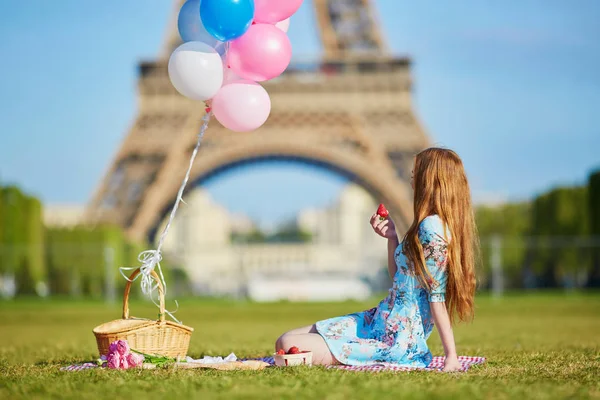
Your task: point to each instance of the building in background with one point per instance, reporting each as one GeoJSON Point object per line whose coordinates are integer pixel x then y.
{"type": "Point", "coordinates": [344, 223]}
{"type": "Point", "coordinates": [343, 259]}
{"type": "Point", "coordinates": [63, 215]}
{"type": "Point", "coordinates": [200, 222]}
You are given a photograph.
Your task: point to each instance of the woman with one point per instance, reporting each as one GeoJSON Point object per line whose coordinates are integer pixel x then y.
{"type": "Point", "coordinates": [433, 274]}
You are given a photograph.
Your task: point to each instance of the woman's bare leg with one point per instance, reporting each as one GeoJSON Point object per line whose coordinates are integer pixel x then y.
{"type": "Point", "coordinates": [307, 338]}
{"type": "Point", "coordinates": [302, 330]}
{"type": "Point", "coordinates": [297, 331]}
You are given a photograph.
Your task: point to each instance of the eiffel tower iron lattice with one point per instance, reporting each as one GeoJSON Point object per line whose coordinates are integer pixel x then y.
{"type": "Point", "coordinates": [350, 113]}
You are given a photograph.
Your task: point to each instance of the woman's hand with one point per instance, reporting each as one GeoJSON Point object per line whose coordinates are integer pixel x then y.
{"type": "Point", "coordinates": [452, 365]}
{"type": "Point", "coordinates": [385, 228]}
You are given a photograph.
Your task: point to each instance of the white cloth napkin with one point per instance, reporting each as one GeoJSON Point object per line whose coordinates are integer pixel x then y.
{"type": "Point", "coordinates": [212, 360]}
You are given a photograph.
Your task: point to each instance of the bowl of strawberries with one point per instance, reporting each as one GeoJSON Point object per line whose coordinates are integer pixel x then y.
{"type": "Point", "coordinates": [293, 357]}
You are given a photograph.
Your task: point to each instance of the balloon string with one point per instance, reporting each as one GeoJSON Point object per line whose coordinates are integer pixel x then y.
{"type": "Point", "coordinates": [151, 259]}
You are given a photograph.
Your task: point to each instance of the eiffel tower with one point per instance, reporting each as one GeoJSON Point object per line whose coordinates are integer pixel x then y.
{"type": "Point", "coordinates": [350, 113]}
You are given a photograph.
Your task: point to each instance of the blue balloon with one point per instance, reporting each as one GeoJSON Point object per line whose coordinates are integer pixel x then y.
{"type": "Point", "coordinates": [190, 26]}
{"type": "Point", "coordinates": [227, 19]}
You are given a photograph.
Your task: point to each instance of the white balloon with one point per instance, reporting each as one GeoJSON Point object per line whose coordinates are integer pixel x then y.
{"type": "Point", "coordinates": [284, 25]}
{"type": "Point", "coordinates": [196, 70]}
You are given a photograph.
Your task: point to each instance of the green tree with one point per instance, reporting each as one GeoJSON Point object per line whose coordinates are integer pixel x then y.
{"type": "Point", "coordinates": [24, 279]}
{"type": "Point", "coordinates": [561, 214]}
{"type": "Point", "coordinates": [543, 227]}
{"type": "Point", "coordinates": [594, 218]}
{"type": "Point", "coordinates": [13, 229]}
{"type": "Point", "coordinates": [131, 253]}
{"type": "Point", "coordinates": [113, 255]}
{"type": "Point", "coordinates": [573, 262]}
{"type": "Point", "coordinates": [60, 279]}
{"type": "Point", "coordinates": [33, 263]}
{"type": "Point", "coordinates": [511, 222]}
{"type": "Point", "coordinates": [290, 234]}
{"type": "Point", "coordinates": [255, 236]}
{"type": "Point", "coordinates": [2, 243]}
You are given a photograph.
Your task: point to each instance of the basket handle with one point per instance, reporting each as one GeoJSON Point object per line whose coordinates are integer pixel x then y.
{"type": "Point", "coordinates": [161, 295]}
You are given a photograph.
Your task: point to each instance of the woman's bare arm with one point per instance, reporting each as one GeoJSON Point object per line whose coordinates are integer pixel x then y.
{"type": "Point", "coordinates": [392, 244]}
{"type": "Point", "coordinates": [441, 320]}
{"type": "Point", "coordinates": [387, 229]}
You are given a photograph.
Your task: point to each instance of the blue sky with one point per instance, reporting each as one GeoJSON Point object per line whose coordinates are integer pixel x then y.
{"type": "Point", "coordinates": [513, 86]}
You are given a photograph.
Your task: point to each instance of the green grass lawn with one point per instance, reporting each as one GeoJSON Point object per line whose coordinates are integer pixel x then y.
{"type": "Point", "coordinates": [538, 346]}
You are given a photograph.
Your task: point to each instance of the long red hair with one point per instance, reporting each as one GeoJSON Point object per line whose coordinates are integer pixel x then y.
{"type": "Point", "coordinates": [441, 187]}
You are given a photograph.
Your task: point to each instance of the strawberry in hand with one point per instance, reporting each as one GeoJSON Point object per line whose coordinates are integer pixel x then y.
{"type": "Point", "coordinates": [382, 223]}
{"type": "Point", "coordinates": [382, 212]}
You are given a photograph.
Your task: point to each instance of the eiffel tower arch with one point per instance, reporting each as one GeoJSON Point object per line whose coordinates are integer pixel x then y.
{"type": "Point", "coordinates": [350, 112]}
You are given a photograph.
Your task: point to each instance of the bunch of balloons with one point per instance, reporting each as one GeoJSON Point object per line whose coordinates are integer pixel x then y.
{"type": "Point", "coordinates": [229, 46]}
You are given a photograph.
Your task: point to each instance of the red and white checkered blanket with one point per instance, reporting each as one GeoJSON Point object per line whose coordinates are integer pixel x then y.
{"type": "Point", "coordinates": [437, 364]}
{"type": "Point", "coordinates": [80, 367]}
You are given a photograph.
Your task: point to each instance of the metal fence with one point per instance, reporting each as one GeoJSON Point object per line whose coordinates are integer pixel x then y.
{"type": "Point", "coordinates": [533, 256]}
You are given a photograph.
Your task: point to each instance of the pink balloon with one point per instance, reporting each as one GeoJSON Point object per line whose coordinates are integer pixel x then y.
{"type": "Point", "coordinates": [272, 11]}
{"type": "Point", "coordinates": [284, 25]}
{"type": "Point", "coordinates": [242, 106]}
{"type": "Point", "coordinates": [262, 53]}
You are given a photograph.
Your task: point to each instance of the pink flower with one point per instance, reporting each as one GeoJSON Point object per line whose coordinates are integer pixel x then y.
{"type": "Point", "coordinates": [122, 347]}
{"type": "Point", "coordinates": [112, 348]}
{"type": "Point", "coordinates": [114, 361]}
{"type": "Point", "coordinates": [124, 362]}
{"type": "Point", "coordinates": [135, 360]}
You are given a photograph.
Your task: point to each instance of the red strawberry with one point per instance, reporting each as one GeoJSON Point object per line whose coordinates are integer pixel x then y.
{"type": "Point", "coordinates": [294, 350]}
{"type": "Point", "coordinates": [382, 212]}
{"type": "Point", "coordinates": [281, 352]}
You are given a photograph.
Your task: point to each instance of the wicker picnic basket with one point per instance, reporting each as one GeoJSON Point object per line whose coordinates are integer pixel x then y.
{"type": "Point", "coordinates": [159, 337]}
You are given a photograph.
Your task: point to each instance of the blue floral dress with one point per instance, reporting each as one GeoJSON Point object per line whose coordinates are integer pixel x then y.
{"type": "Point", "coordinates": [395, 332]}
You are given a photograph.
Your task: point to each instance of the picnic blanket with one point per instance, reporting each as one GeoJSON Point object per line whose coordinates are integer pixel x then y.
{"type": "Point", "coordinates": [437, 364]}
